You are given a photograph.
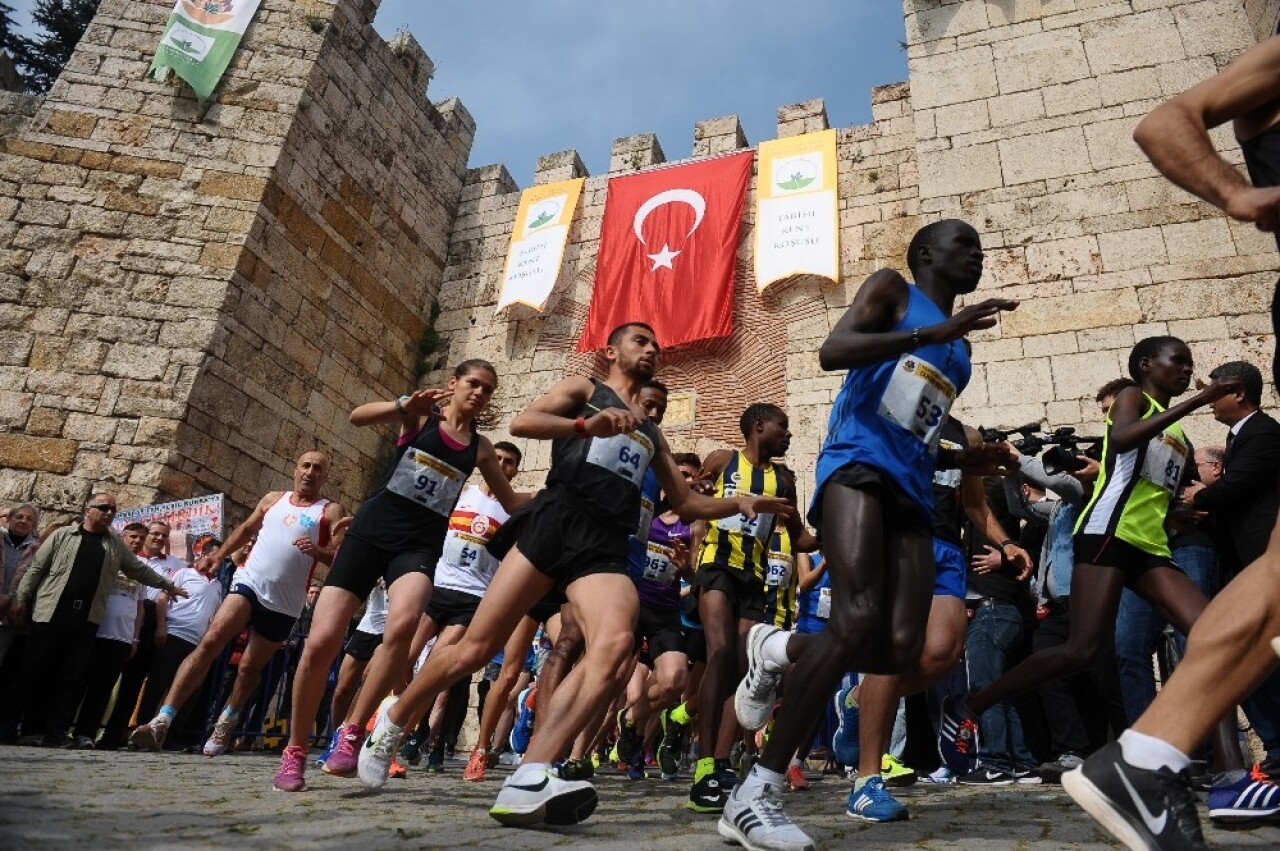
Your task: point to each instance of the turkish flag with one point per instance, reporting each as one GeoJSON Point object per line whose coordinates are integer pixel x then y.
{"type": "Point", "coordinates": [667, 249]}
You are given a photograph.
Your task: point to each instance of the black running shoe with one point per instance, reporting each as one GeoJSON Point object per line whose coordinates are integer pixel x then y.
{"type": "Point", "coordinates": [709, 794]}
{"type": "Point", "coordinates": [1143, 809]}
{"type": "Point", "coordinates": [672, 746]}
{"type": "Point", "coordinates": [628, 741]}
{"type": "Point", "coordinates": [577, 769]}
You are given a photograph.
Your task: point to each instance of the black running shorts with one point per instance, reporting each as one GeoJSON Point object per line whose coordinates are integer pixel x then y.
{"type": "Point", "coordinates": [452, 608]}
{"type": "Point", "coordinates": [359, 565]}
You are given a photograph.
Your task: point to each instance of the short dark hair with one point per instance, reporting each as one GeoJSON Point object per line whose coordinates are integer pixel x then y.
{"type": "Point", "coordinates": [616, 335]}
{"type": "Point", "coordinates": [655, 384]}
{"type": "Point", "coordinates": [1113, 387]}
{"type": "Point", "coordinates": [510, 447]}
{"type": "Point", "coordinates": [688, 458]}
{"type": "Point", "coordinates": [928, 237]}
{"type": "Point", "coordinates": [1250, 378]}
{"type": "Point", "coordinates": [471, 365]}
{"type": "Point", "coordinates": [1149, 347]}
{"type": "Point", "coordinates": [135, 526]}
{"type": "Point", "coordinates": [759, 412]}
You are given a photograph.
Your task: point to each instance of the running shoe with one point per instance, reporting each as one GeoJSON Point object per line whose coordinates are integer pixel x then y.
{"type": "Point", "coordinates": [844, 743]}
{"type": "Point", "coordinates": [941, 775]}
{"type": "Point", "coordinates": [411, 751]}
{"type": "Point", "coordinates": [220, 739]}
{"type": "Point", "coordinates": [1142, 808]}
{"type": "Point", "coordinates": [398, 770]}
{"type": "Point", "coordinates": [522, 730]}
{"type": "Point", "coordinates": [542, 798]}
{"type": "Point", "coordinates": [344, 761]}
{"type": "Point", "coordinates": [289, 776]}
{"type": "Point", "coordinates": [333, 743]}
{"type": "Point", "coordinates": [379, 750]}
{"type": "Point", "coordinates": [1027, 776]}
{"type": "Point", "coordinates": [895, 773]}
{"type": "Point", "coordinates": [958, 735]}
{"type": "Point", "coordinates": [671, 748]}
{"type": "Point", "coordinates": [435, 762]}
{"type": "Point", "coordinates": [1251, 797]}
{"type": "Point", "coordinates": [796, 781]}
{"type": "Point", "coordinates": [985, 777]}
{"type": "Point", "coordinates": [150, 736]}
{"type": "Point", "coordinates": [874, 803]}
{"type": "Point", "coordinates": [1051, 772]}
{"type": "Point", "coordinates": [82, 743]}
{"type": "Point", "coordinates": [757, 693]}
{"type": "Point", "coordinates": [576, 769]}
{"type": "Point", "coordinates": [476, 765]}
{"type": "Point", "coordinates": [709, 794]}
{"type": "Point", "coordinates": [759, 824]}
{"type": "Point", "coordinates": [628, 743]}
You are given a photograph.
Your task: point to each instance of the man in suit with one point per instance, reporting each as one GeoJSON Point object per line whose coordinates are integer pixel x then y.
{"type": "Point", "coordinates": [1242, 506]}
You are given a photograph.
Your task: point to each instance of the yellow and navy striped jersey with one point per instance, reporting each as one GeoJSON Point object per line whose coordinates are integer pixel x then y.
{"type": "Point", "coordinates": [736, 542]}
{"type": "Point", "coordinates": [780, 581]}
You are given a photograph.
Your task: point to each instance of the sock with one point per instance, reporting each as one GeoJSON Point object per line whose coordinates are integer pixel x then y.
{"type": "Point", "coordinates": [862, 781]}
{"type": "Point", "coordinates": [680, 715]}
{"type": "Point", "coordinates": [1143, 751]}
{"type": "Point", "coordinates": [795, 761]}
{"type": "Point", "coordinates": [525, 770]}
{"type": "Point", "coordinates": [229, 714]}
{"type": "Point", "coordinates": [725, 764]}
{"type": "Point", "coordinates": [167, 713]}
{"type": "Point", "coordinates": [706, 765]}
{"type": "Point", "coordinates": [774, 649]}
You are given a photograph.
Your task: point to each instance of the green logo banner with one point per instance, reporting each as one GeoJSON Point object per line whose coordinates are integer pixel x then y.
{"type": "Point", "coordinates": [200, 39]}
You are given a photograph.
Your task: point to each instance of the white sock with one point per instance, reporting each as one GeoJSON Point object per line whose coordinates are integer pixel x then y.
{"type": "Point", "coordinates": [756, 780]}
{"type": "Point", "coordinates": [774, 649]}
{"type": "Point", "coordinates": [1143, 751]}
{"type": "Point", "coordinates": [527, 768]}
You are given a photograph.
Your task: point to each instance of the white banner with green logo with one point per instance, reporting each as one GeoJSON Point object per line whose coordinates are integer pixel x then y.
{"type": "Point", "coordinates": [200, 39]}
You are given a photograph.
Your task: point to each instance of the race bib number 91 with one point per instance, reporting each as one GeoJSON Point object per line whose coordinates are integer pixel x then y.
{"type": "Point", "coordinates": [625, 455]}
{"type": "Point", "coordinates": [918, 398]}
{"type": "Point", "coordinates": [428, 481]}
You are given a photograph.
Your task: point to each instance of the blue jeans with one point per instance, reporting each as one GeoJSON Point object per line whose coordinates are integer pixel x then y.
{"type": "Point", "coordinates": [992, 639]}
{"type": "Point", "coordinates": [1138, 630]}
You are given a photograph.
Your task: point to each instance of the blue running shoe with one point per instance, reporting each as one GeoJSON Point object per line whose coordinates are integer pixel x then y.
{"type": "Point", "coordinates": [844, 744]}
{"type": "Point", "coordinates": [874, 803]}
{"type": "Point", "coordinates": [333, 743]}
{"type": "Point", "coordinates": [522, 730]}
{"type": "Point", "coordinates": [958, 736]}
{"type": "Point", "coordinates": [1251, 798]}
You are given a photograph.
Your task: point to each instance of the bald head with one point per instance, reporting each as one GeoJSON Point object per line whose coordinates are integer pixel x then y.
{"type": "Point", "coordinates": [310, 474]}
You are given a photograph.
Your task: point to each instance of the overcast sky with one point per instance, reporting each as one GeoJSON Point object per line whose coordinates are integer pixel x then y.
{"type": "Point", "coordinates": [543, 77]}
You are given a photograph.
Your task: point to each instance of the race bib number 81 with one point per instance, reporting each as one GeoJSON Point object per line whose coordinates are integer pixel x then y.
{"type": "Point", "coordinates": [918, 398]}
{"type": "Point", "coordinates": [1166, 457]}
{"type": "Point", "coordinates": [427, 481]}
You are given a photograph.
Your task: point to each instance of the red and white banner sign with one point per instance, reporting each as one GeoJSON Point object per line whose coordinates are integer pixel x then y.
{"type": "Point", "coordinates": [667, 249]}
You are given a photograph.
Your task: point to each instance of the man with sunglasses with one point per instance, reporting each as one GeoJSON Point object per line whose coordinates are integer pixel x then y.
{"type": "Point", "coordinates": [66, 587]}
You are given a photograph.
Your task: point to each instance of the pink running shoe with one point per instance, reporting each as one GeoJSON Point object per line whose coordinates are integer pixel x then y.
{"type": "Point", "coordinates": [345, 758]}
{"type": "Point", "coordinates": [289, 777]}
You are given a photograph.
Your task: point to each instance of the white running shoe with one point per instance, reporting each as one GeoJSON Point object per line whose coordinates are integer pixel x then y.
{"type": "Point", "coordinates": [220, 738]}
{"type": "Point", "coordinates": [543, 798]}
{"type": "Point", "coordinates": [759, 824]}
{"type": "Point", "coordinates": [379, 749]}
{"type": "Point", "coordinates": [1275, 644]}
{"type": "Point", "coordinates": [150, 736]}
{"type": "Point", "coordinates": [753, 701]}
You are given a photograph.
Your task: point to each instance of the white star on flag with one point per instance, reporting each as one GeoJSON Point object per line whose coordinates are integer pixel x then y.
{"type": "Point", "coordinates": [663, 258]}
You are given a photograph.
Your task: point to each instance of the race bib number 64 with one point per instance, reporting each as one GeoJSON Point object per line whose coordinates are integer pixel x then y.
{"type": "Point", "coordinates": [626, 455]}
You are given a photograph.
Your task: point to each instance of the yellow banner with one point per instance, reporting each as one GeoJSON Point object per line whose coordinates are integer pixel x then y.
{"type": "Point", "coordinates": [797, 209]}
{"type": "Point", "coordinates": [537, 243]}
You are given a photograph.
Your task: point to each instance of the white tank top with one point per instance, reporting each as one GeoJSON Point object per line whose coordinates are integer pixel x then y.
{"type": "Point", "coordinates": [374, 621]}
{"type": "Point", "coordinates": [465, 565]}
{"type": "Point", "coordinates": [278, 572]}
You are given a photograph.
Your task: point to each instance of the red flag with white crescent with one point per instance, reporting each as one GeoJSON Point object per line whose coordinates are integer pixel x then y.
{"type": "Point", "coordinates": [667, 249]}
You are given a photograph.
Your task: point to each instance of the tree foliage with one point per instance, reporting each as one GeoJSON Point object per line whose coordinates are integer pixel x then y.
{"type": "Point", "coordinates": [41, 58]}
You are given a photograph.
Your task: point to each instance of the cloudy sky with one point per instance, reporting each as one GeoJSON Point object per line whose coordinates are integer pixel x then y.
{"type": "Point", "coordinates": [543, 77]}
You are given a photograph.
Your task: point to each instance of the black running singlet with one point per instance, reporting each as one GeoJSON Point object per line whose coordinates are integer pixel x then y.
{"type": "Point", "coordinates": [948, 504]}
{"type": "Point", "coordinates": [604, 473]}
{"type": "Point", "coordinates": [410, 508]}
{"type": "Point", "coordinates": [1262, 159]}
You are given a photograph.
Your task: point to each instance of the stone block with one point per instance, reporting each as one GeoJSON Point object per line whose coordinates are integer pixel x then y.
{"type": "Point", "coordinates": [1072, 313]}
{"type": "Point", "coordinates": [15, 408]}
{"type": "Point", "coordinates": [960, 170]}
{"type": "Point", "coordinates": [1077, 96]}
{"type": "Point", "coordinates": [1044, 345]}
{"type": "Point", "coordinates": [1132, 249]}
{"type": "Point", "coordinates": [1063, 258]}
{"type": "Point", "coordinates": [1209, 28]}
{"type": "Point", "coordinates": [220, 184]}
{"type": "Point", "coordinates": [957, 77]}
{"type": "Point", "coordinates": [44, 454]}
{"type": "Point", "coordinates": [1079, 376]}
{"type": "Point", "coordinates": [1111, 143]}
{"type": "Point", "coordinates": [144, 363]}
{"type": "Point", "coordinates": [929, 24]}
{"type": "Point", "coordinates": [1019, 380]}
{"type": "Point", "coordinates": [1198, 240]}
{"type": "Point", "coordinates": [1057, 153]}
{"type": "Point", "coordinates": [1131, 41]}
{"type": "Point", "coordinates": [1038, 60]}
{"type": "Point", "coordinates": [46, 422]}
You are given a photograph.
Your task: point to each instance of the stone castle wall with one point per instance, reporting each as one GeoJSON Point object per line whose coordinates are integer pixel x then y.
{"type": "Point", "coordinates": [190, 297]}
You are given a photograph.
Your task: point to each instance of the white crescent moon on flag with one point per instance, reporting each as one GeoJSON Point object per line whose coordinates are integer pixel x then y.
{"type": "Point", "coordinates": [670, 196]}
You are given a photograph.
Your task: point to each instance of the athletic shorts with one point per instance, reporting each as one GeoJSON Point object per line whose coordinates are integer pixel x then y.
{"type": "Point", "coordinates": [900, 510]}
{"type": "Point", "coordinates": [745, 592]}
{"type": "Point", "coordinates": [695, 645]}
{"type": "Point", "coordinates": [548, 607]}
{"type": "Point", "coordinates": [1110, 551]}
{"type": "Point", "coordinates": [452, 608]}
{"type": "Point", "coordinates": [273, 626]}
{"type": "Point", "coordinates": [949, 567]}
{"type": "Point", "coordinates": [661, 629]}
{"type": "Point", "coordinates": [362, 644]}
{"type": "Point", "coordinates": [359, 565]}
{"type": "Point", "coordinates": [561, 540]}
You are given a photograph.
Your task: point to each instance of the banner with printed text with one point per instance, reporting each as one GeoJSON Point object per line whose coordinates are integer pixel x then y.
{"type": "Point", "coordinates": [193, 523]}
{"type": "Point", "coordinates": [797, 209]}
{"type": "Point", "coordinates": [200, 39]}
{"type": "Point", "coordinates": [537, 243]}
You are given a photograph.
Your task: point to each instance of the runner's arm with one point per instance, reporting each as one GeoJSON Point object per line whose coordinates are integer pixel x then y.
{"type": "Point", "coordinates": [807, 574]}
{"type": "Point", "coordinates": [1127, 430]}
{"type": "Point", "coordinates": [333, 513]}
{"type": "Point", "coordinates": [984, 520]}
{"type": "Point", "coordinates": [802, 540]}
{"type": "Point", "coordinates": [408, 412]}
{"type": "Point", "coordinates": [548, 416]}
{"type": "Point", "coordinates": [691, 505]}
{"type": "Point", "coordinates": [487, 462]}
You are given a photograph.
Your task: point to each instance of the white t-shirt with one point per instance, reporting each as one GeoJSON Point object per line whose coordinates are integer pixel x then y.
{"type": "Point", "coordinates": [189, 618]}
{"type": "Point", "coordinates": [122, 610]}
{"type": "Point", "coordinates": [374, 621]}
{"type": "Point", "coordinates": [465, 565]}
{"type": "Point", "coordinates": [277, 571]}
{"type": "Point", "coordinates": [164, 565]}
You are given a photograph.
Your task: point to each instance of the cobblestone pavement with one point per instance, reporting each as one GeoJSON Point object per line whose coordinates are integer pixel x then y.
{"type": "Point", "coordinates": [64, 800]}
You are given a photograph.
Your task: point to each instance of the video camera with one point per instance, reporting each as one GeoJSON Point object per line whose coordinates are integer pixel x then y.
{"type": "Point", "coordinates": [1064, 454]}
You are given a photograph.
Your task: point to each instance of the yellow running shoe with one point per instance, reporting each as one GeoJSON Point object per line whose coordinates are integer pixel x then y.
{"type": "Point", "coordinates": [895, 773]}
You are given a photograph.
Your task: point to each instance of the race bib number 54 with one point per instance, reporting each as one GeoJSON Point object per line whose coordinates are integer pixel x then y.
{"type": "Point", "coordinates": [427, 481]}
{"type": "Point", "coordinates": [918, 398]}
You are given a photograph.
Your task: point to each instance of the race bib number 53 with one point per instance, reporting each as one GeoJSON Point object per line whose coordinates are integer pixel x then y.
{"type": "Point", "coordinates": [918, 398]}
{"type": "Point", "coordinates": [427, 481]}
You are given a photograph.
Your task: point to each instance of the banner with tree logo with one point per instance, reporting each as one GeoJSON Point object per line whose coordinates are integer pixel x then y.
{"type": "Point", "coordinates": [200, 39]}
{"type": "Point", "coordinates": [537, 243]}
{"type": "Point", "coordinates": [797, 209]}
